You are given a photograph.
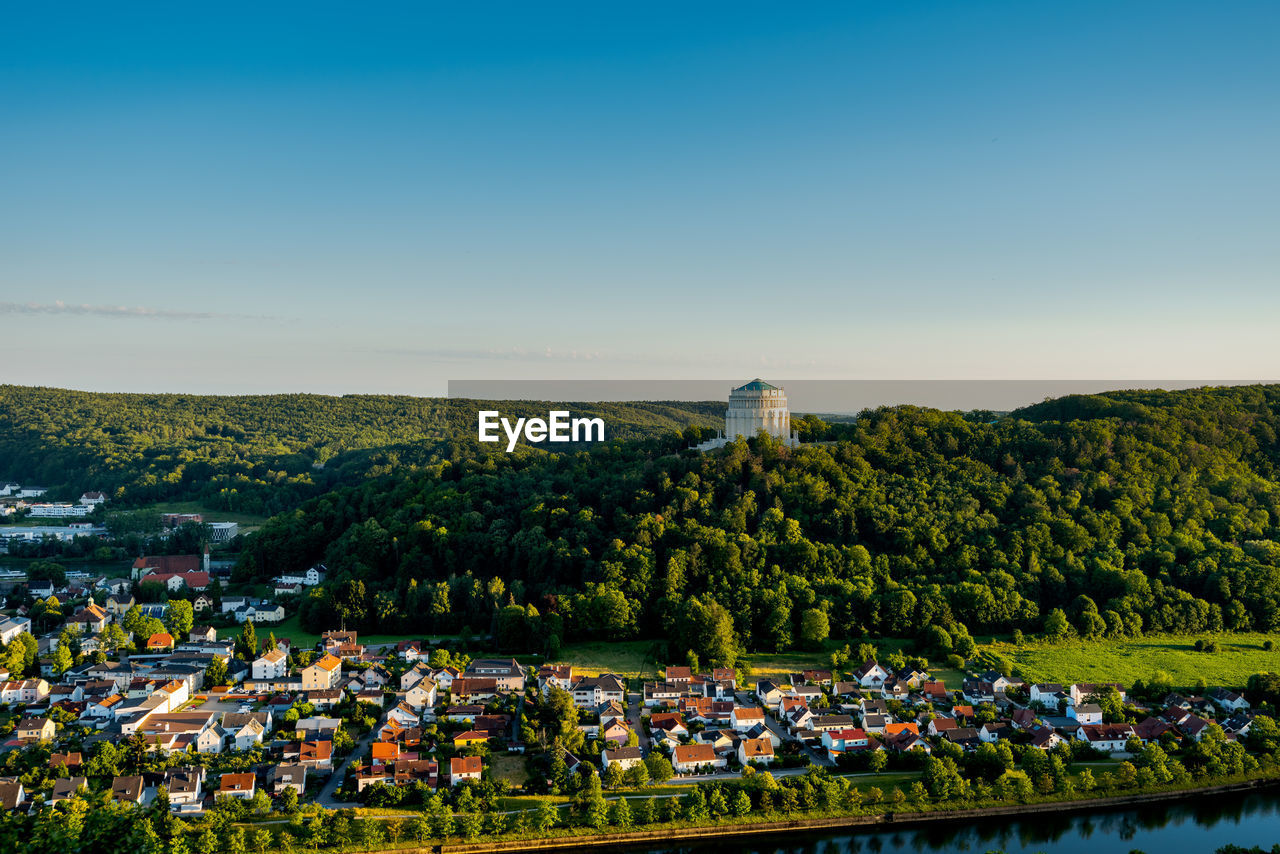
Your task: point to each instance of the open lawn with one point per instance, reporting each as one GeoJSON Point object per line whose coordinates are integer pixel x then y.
{"type": "Point", "coordinates": [245, 520]}
{"type": "Point", "coordinates": [776, 665]}
{"type": "Point", "coordinates": [287, 629]}
{"type": "Point", "coordinates": [1124, 661]}
{"type": "Point", "coordinates": [625, 658]}
{"type": "Point", "coordinates": [509, 766]}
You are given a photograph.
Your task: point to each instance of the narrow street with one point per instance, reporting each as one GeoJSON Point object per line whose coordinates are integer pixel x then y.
{"type": "Point", "coordinates": [633, 717]}
{"type": "Point", "coordinates": [327, 796]}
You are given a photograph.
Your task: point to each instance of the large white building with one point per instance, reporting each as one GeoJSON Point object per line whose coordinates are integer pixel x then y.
{"type": "Point", "coordinates": [753, 407]}
{"type": "Point", "coordinates": [59, 511]}
{"type": "Point", "coordinates": [757, 406]}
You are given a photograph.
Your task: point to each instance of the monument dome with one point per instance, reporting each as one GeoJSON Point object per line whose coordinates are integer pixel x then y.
{"type": "Point", "coordinates": [757, 406]}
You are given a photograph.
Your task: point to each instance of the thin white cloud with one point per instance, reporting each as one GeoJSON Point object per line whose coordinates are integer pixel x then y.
{"type": "Point", "coordinates": [58, 307]}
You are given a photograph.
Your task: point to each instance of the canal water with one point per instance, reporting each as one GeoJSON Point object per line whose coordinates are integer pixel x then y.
{"type": "Point", "coordinates": [1197, 826]}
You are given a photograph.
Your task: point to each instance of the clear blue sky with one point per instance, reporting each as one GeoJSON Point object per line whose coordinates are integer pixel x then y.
{"type": "Point", "coordinates": [359, 197]}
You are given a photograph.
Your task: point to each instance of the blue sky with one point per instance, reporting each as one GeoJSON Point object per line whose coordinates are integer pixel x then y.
{"type": "Point", "coordinates": [364, 197]}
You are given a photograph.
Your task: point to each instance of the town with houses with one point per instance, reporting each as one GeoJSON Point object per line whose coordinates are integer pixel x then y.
{"type": "Point", "coordinates": [240, 714]}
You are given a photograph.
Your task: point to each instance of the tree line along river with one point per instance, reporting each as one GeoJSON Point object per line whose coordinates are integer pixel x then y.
{"type": "Point", "coordinates": [1195, 826]}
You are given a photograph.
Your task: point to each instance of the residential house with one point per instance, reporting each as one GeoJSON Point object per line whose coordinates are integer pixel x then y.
{"type": "Point", "coordinates": [11, 795]}
{"type": "Point", "coordinates": [978, 691]}
{"type": "Point", "coordinates": [241, 786]}
{"type": "Point", "coordinates": [757, 750]}
{"type": "Point", "coordinates": [743, 718]}
{"type": "Point", "coordinates": [414, 675]}
{"type": "Point", "coordinates": [822, 723]}
{"type": "Point", "coordinates": [324, 673]}
{"type": "Point", "coordinates": [1106, 737]}
{"type": "Point", "coordinates": [706, 709]}
{"type": "Point", "coordinates": [995, 731]}
{"type": "Point", "coordinates": [33, 729]}
{"type": "Point", "coordinates": [875, 723]}
{"type": "Point", "coordinates": [67, 787]}
{"type": "Point", "coordinates": [317, 727]}
{"type": "Point", "coordinates": [316, 754]}
{"type": "Point", "coordinates": [11, 627]}
{"type": "Point", "coordinates": [127, 790]}
{"type": "Point", "coordinates": [186, 789]}
{"type": "Point", "coordinates": [463, 714]}
{"type": "Point", "coordinates": [871, 674]}
{"type": "Point", "coordinates": [904, 741]}
{"type": "Point", "coordinates": [470, 689]}
{"type": "Point", "coordinates": [1045, 738]}
{"type": "Point", "coordinates": [272, 664]}
{"type": "Point", "coordinates": [589, 692]}
{"type": "Point", "coordinates": [559, 675]}
{"type": "Point", "coordinates": [27, 691]}
{"type": "Point", "coordinates": [246, 729]}
{"type": "Point", "coordinates": [769, 693]}
{"type": "Point", "coordinates": [1193, 727]}
{"type": "Point", "coordinates": [507, 673]}
{"type": "Point", "coordinates": [1081, 691]}
{"type": "Point", "coordinates": [624, 757]}
{"type": "Point", "coordinates": [667, 725]}
{"type": "Point", "coordinates": [934, 691]}
{"type": "Point", "coordinates": [696, 758]}
{"type": "Point", "coordinates": [1150, 729]}
{"type": "Point", "coordinates": [941, 726]}
{"type": "Point", "coordinates": [841, 741]}
{"type": "Point", "coordinates": [1085, 713]}
{"type": "Point", "coordinates": [70, 761]}
{"type": "Point", "coordinates": [615, 731]}
{"type": "Point", "coordinates": [1048, 694]}
{"type": "Point", "coordinates": [444, 676]}
{"type": "Point", "coordinates": [463, 768]}
{"type": "Point", "coordinates": [422, 695]}
{"type": "Point", "coordinates": [118, 604]}
{"type": "Point", "coordinates": [287, 776]}
{"type": "Point", "coordinates": [663, 693]}
{"type": "Point", "coordinates": [965, 736]}
{"type": "Point", "coordinates": [1228, 701]}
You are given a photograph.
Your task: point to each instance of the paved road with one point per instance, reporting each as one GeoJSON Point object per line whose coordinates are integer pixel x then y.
{"type": "Point", "coordinates": [633, 717]}
{"type": "Point", "coordinates": [327, 796]}
{"type": "Point", "coordinates": [815, 756]}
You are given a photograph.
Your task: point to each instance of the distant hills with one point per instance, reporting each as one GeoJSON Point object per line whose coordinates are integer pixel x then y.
{"type": "Point", "coordinates": [260, 454]}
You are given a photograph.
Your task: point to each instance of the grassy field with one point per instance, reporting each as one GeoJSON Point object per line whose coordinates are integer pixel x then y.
{"type": "Point", "coordinates": [245, 520]}
{"type": "Point", "coordinates": [626, 658]}
{"type": "Point", "coordinates": [301, 639]}
{"type": "Point", "coordinates": [634, 659]}
{"type": "Point", "coordinates": [509, 766]}
{"type": "Point", "coordinates": [1124, 661]}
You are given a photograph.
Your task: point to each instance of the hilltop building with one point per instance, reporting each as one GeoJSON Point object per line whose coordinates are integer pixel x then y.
{"type": "Point", "coordinates": [753, 407]}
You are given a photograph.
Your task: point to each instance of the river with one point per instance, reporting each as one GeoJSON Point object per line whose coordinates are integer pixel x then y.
{"type": "Point", "coordinates": [1196, 826]}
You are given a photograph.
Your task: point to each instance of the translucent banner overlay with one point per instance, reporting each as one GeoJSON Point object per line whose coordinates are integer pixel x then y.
{"type": "Point", "coordinates": [818, 396]}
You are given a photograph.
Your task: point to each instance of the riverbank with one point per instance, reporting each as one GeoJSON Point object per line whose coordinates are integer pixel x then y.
{"type": "Point", "coordinates": [884, 821]}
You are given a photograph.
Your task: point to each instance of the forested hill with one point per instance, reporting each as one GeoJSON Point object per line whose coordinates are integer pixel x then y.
{"type": "Point", "coordinates": [258, 454]}
{"type": "Point", "coordinates": [1151, 512]}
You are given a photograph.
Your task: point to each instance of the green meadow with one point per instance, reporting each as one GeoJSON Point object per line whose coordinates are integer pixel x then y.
{"type": "Point", "coordinates": [1124, 661]}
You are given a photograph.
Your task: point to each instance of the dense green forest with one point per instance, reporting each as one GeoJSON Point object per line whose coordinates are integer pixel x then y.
{"type": "Point", "coordinates": [258, 454]}
{"type": "Point", "coordinates": [1107, 515]}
